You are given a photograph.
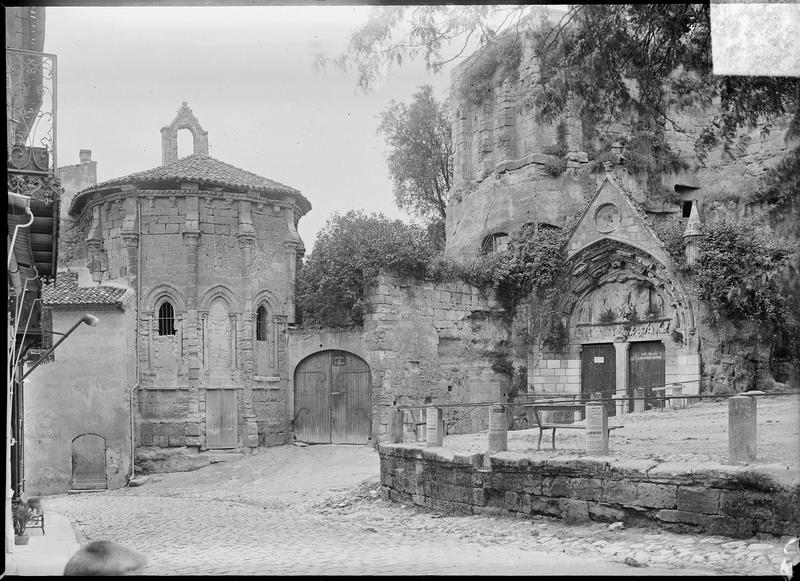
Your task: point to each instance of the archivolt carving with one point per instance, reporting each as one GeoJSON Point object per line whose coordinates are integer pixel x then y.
{"type": "Point", "coordinates": [158, 293]}
{"type": "Point", "coordinates": [268, 298]}
{"type": "Point", "coordinates": [610, 280]}
{"type": "Point", "coordinates": [221, 291]}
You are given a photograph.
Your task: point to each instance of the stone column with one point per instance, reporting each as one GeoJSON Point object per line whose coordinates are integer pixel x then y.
{"type": "Point", "coordinates": [621, 363]}
{"type": "Point", "coordinates": [434, 434]}
{"type": "Point", "coordinates": [505, 120]}
{"type": "Point", "coordinates": [94, 245]}
{"type": "Point", "coordinates": [462, 137]}
{"type": "Point", "coordinates": [742, 420]}
{"type": "Point", "coordinates": [191, 243]}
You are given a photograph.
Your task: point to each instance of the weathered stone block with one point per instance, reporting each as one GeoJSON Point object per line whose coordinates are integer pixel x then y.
{"type": "Point", "coordinates": [147, 431]}
{"type": "Point", "coordinates": [656, 495]}
{"type": "Point", "coordinates": [574, 511]}
{"type": "Point", "coordinates": [545, 506]}
{"type": "Point", "coordinates": [681, 516]}
{"type": "Point", "coordinates": [557, 486]}
{"type": "Point", "coordinates": [479, 497]}
{"type": "Point", "coordinates": [776, 527]}
{"type": "Point", "coordinates": [740, 528]}
{"type": "Point", "coordinates": [619, 492]}
{"type": "Point", "coordinates": [696, 499]}
{"type": "Point", "coordinates": [604, 513]}
{"type": "Point", "coordinates": [751, 504]}
{"type": "Point", "coordinates": [586, 488]}
{"type": "Point", "coordinates": [177, 440]}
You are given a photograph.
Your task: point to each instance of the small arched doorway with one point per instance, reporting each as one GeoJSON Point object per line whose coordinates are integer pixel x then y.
{"type": "Point", "coordinates": [89, 462]}
{"type": "Point", "coordinates": [332, 400]}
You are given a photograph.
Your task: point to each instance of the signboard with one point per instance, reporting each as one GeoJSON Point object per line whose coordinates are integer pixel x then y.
{"type": "Point", "coordinates": [596, 429]}
{"type": "Point", "coordinates": [599, 360]}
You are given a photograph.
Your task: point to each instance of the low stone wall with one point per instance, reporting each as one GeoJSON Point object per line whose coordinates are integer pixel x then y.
{"type": "Point", "coordinates": [736, 501]}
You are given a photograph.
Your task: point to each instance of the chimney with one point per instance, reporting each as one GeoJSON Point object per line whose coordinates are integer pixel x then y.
{"type": "Point", "coordinates": [86, 155]}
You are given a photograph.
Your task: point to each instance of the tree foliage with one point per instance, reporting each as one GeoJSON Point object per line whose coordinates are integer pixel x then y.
{"type": "Point", "coordinates": [348, 253]}
{"type": "Point", "coordinates": [420, 157]}
{"type": "Point", "coordinates": [644, 58]}
{"type": "Point", "coordinates": [737, 272]}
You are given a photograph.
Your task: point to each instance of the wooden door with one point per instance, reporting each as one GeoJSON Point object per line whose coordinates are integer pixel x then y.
{"type": "Point", "coordinates": [645, 369]}
{"type": "Point", "coordinates": [312, 408]}
{"type": "Point", "coordinates": [599, 373]}
{"type": "Point", "coordinates": [332, 399]}
{"type": "Point", "coordinates": [89, 462]}
{"type": "Point", "coordinates": [351, 411]}
{"type": "Point", "coordinates": [221, 418]}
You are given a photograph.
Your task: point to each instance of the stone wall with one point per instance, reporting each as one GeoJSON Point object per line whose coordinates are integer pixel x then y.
{"type": "Point", "coordinates": [216, 256]}
{"type": "Point", "coordinates": [440, 343]}
{"type": "Point", "coordinates": [85, 390]}
{"type": "Point", "coordinates": [736, 501]}
{"type": "Point", "coordinates": [75, 178]}
{"type": "Point", "coordinates": [424, 342]}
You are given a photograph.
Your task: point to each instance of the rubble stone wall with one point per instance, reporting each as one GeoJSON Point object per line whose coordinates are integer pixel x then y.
{"type": "Point", "coordinates": [736, 501]}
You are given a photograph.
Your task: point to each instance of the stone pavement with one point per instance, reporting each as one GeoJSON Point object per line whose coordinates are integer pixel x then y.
{"type": "Point", "coordinates": [45, 554]}
{"type": "Point", "coordinates": [266, 514]}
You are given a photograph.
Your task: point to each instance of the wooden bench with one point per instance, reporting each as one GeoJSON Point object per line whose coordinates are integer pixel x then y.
{"type": "Point", "coordinates": [558, 407]}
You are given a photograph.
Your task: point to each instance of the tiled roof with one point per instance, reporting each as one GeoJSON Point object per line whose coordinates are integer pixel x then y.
{"type": "Point", "coordinates": [205, 170]}
{"type": "Point", "coordinates": [65, 291]}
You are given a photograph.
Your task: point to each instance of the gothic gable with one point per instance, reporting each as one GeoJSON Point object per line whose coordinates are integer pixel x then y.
{"type": "Point", "coordinates": [611, 215]}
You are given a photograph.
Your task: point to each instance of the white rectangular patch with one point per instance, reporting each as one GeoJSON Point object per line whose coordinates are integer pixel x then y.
{"type": "Point", "coordinates": [599, 359]}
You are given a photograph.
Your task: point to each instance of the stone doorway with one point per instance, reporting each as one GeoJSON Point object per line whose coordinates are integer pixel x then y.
{"type": "Point", "coordinates": [646, 370]}
{"type": "Point", "coordinates": [332, 399]}
{"type": "Point", "coordinates": [599, 373]}
{"type": "Point", "coordinates": [89, 462]}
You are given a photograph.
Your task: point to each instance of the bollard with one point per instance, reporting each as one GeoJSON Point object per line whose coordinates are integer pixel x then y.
{"type": "Point", "coordinates": [434, 434]}
{"type": "Point", "coordinates": [596, 429]}
{"type": "Point", "coordinates": [638, 402]}
{"type": "Point", "coordinates": [396, 427]}
{"type": "Point", "coordinates": [742, 415]}
{"type": "Point", "coordinates": [498, 428]}
{"type": "Point", "coordinates": [677, 389]}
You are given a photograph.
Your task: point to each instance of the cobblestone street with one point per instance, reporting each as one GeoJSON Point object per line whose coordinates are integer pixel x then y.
{"type": "Point", "coordinates": [317, 510]}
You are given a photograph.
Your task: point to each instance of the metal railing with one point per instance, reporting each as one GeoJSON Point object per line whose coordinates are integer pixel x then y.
{"type": "Point", "coordinates": [577, 398]}
{"type": "Point", "coordinates": [31, 111]}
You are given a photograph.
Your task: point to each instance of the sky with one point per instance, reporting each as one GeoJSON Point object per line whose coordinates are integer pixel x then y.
{"type": "Point", "coordinates": [247, 73]}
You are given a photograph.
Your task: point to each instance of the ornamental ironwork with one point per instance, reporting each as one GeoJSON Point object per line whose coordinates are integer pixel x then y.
{"type": "Point", "coordinates": [31, 111]}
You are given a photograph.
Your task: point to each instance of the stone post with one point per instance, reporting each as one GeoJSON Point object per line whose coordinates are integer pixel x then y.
{"type": "Point", "coordinates": [396, 426]}
{"type": "Point", "coordinates": [620, 400]}
{"type": "Point", "coordinates": [621, 365]}
{"type": "Point", "coordinates": [638, 402]}
{"type": "Point", "coordinates": [434, 434]}
{"type": "Point", "coordinates": [596, 429]}
{"type": "Point", "coordinates": [742, 416]}
{"type": "Point", "coordinates": [498, 428]}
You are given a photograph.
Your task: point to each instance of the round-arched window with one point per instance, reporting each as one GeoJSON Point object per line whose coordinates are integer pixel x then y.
{"type": "Point", "coordinates": [261, 324]}
{"type": "Point", "coordinates": [166, 319]}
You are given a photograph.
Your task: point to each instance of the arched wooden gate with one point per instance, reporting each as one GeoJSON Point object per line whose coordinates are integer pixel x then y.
{"type": "Point", "coordinates": [332, 401]}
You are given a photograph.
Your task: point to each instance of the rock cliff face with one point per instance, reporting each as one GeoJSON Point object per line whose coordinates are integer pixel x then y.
{"type": "Point", "coordinates": [512, 169]}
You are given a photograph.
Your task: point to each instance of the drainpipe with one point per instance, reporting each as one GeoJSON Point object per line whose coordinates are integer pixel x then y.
{"type": "Point", "coordinates": [136, 328]}
{"type": "Point", "coordinates": [133, 439]}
